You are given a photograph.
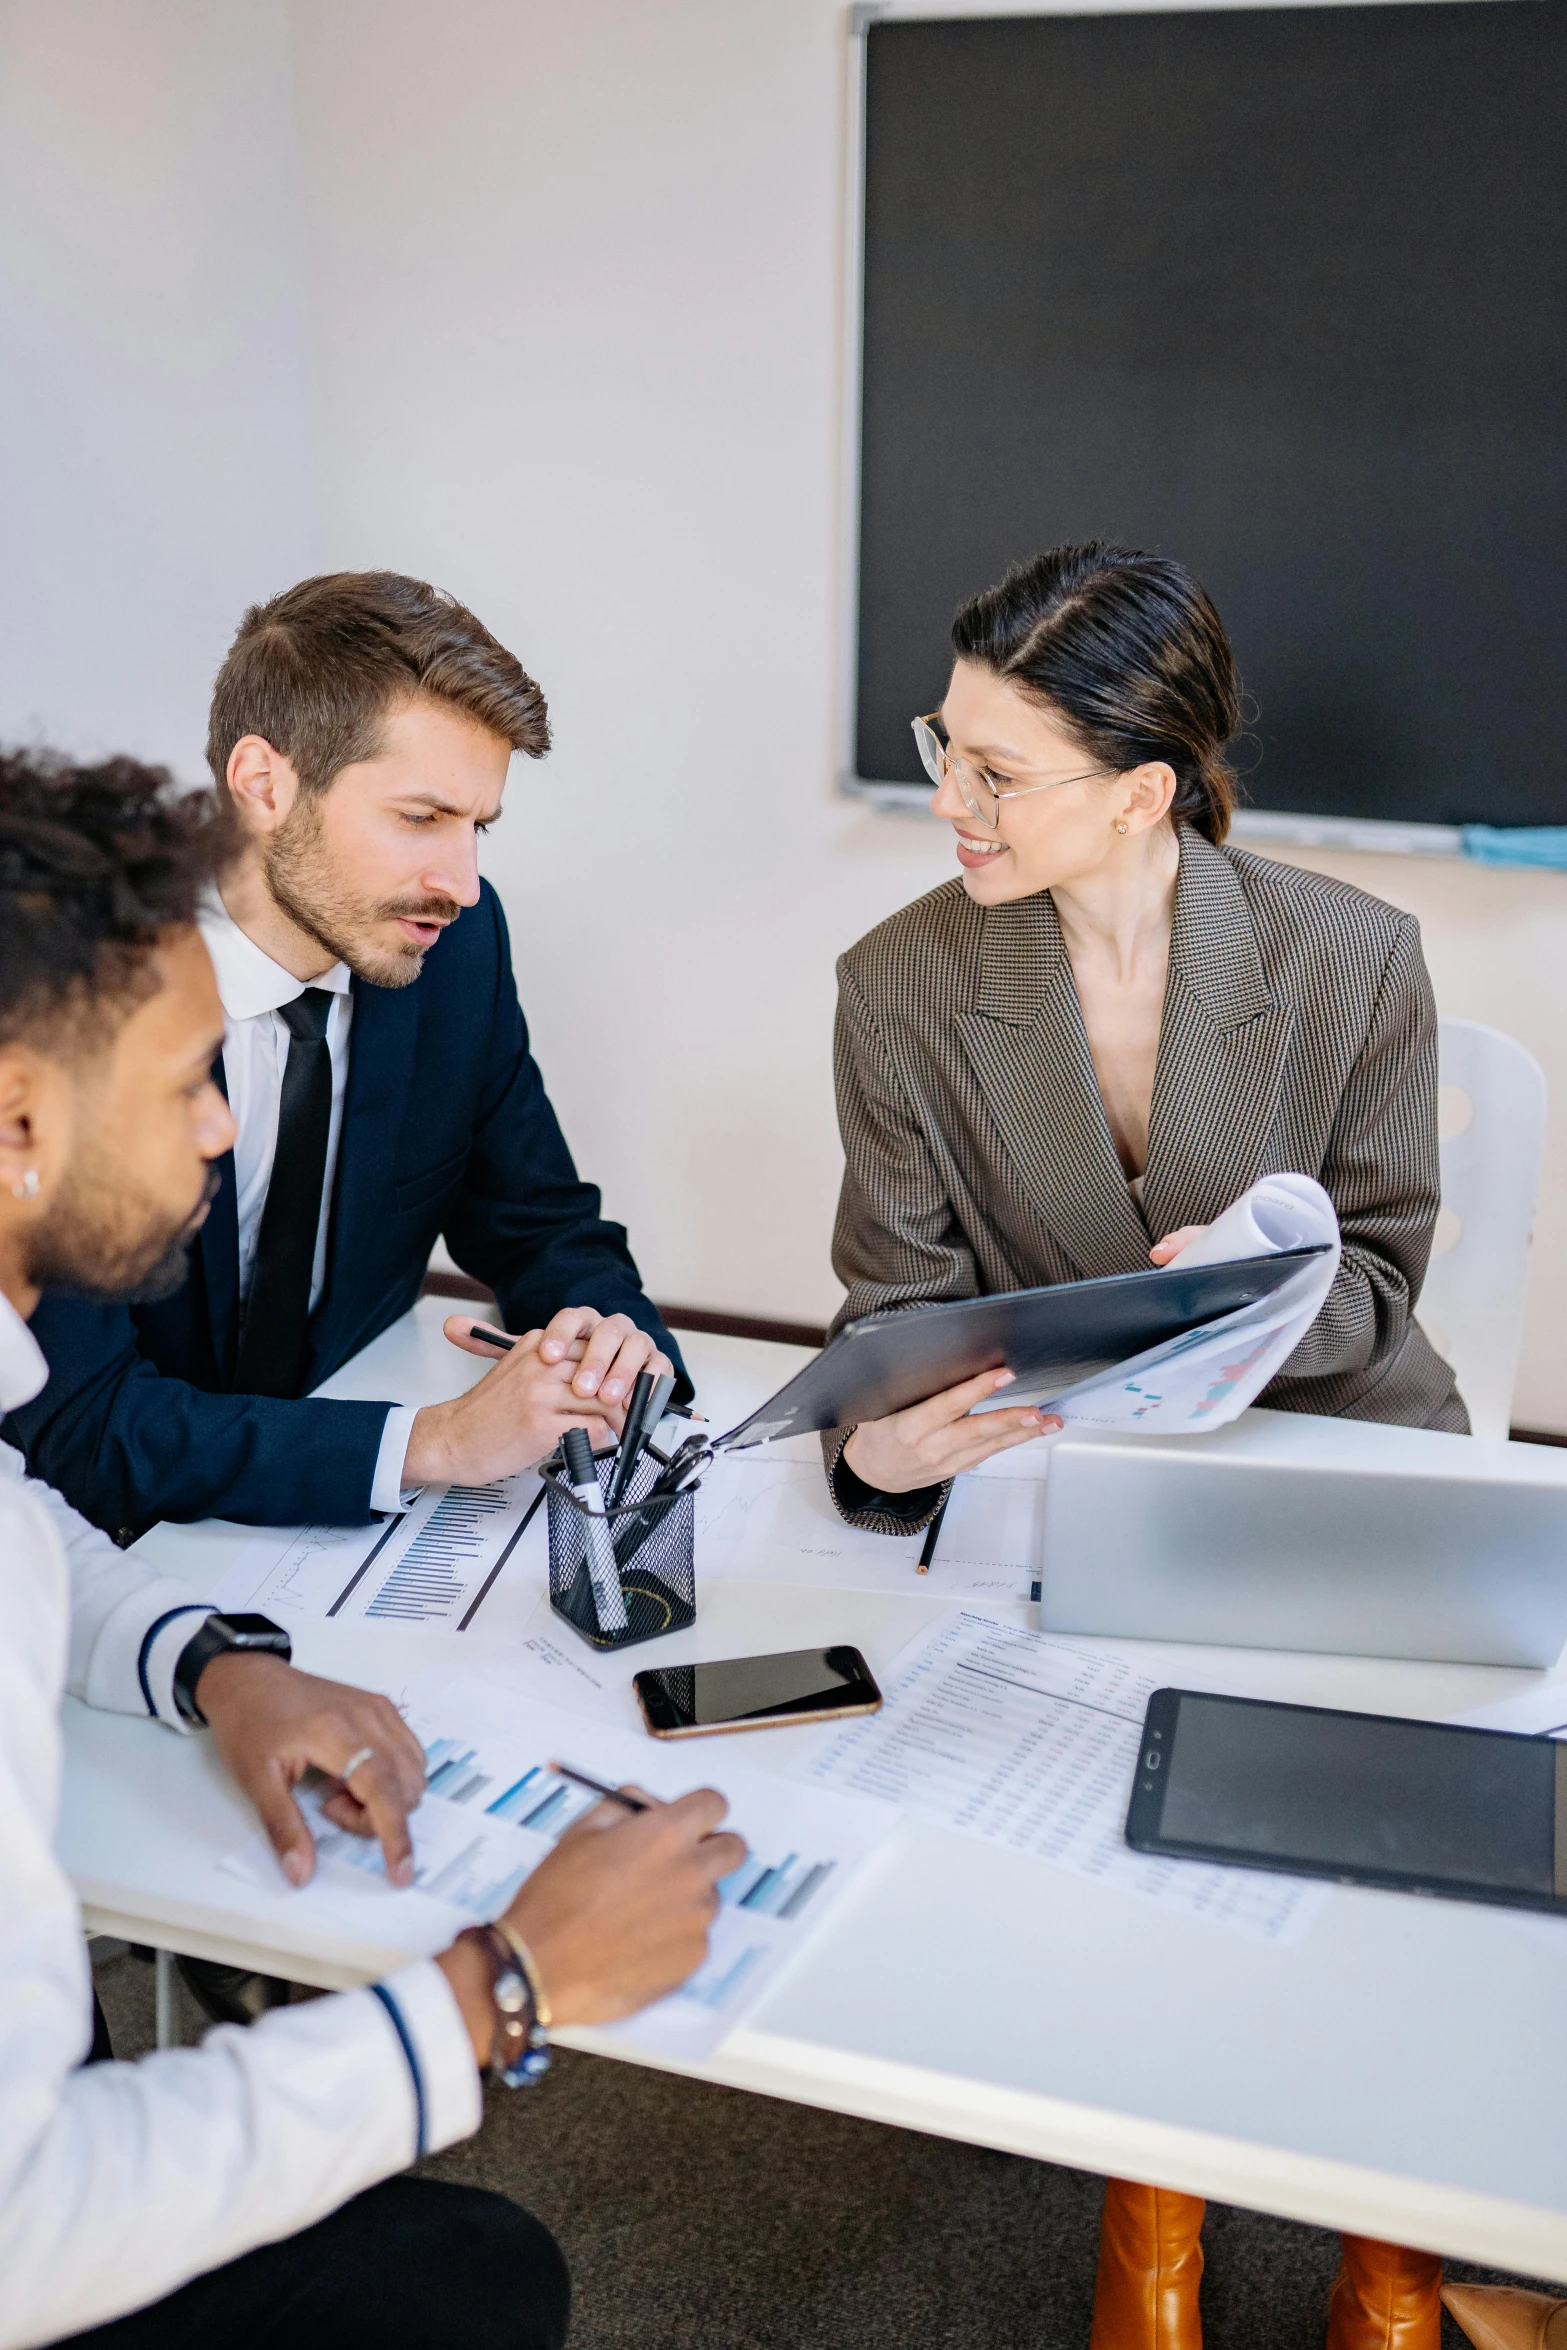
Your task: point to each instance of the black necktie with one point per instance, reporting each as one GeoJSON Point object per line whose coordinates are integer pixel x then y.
{"type": "Point", "coordinates": [277, 1311]}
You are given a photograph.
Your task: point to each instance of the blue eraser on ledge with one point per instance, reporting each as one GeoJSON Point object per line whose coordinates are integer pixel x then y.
{"type": "Point", "coordinates": [1543, 846]}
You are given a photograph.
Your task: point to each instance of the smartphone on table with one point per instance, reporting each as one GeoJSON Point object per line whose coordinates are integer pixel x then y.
{"type": "Point", "coordinates": [756, 1692]}
{"type": "Point", "coordinates": [1366, 1799]}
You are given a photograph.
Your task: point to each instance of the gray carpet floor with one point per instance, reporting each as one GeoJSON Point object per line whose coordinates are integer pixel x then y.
{"type": "Point", "coordinates": [698, 2218]}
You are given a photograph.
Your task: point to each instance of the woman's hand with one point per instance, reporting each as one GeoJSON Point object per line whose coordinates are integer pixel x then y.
{"type": "Point", "coordinates": [940, 1438]}
{"type": "Point", "coordinates": [1173, 1243]}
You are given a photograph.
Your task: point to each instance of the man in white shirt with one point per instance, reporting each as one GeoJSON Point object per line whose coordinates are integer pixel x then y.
{"type": "Point", "coordinates": [243, 2194]}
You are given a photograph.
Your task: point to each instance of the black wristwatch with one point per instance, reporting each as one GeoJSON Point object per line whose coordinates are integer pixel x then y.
{"type": "Point", "coordinates": [256, 1635]}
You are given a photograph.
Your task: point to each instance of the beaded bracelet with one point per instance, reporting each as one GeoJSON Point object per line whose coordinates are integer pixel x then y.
{"type": "Point", "coordinates": [520, 2052]}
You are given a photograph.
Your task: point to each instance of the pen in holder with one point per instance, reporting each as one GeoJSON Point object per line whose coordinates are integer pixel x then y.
{"type": "Point", "coordinates": [623, 1574]}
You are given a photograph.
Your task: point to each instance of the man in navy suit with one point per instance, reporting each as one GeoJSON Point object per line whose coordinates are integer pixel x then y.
{"type": "Point", "coordinates": [377, 1065]}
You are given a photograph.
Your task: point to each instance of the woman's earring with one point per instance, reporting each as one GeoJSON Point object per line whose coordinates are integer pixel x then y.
{"type": "Point", "coordinates": [1120, 828]}
{"type": "Point", "coordinates": [26, 1186]}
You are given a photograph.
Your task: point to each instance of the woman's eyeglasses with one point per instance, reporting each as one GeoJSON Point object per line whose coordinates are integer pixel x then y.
{"type": "Point", "coordinates": [979, 795]}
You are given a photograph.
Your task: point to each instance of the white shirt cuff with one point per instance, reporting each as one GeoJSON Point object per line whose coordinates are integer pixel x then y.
{"type": "Point", "coordinates": [386, 1487]}
{"type": "Point", "coordinates": [448, 2099]}
{"type": "Point", "coordinates": [130, 1669]}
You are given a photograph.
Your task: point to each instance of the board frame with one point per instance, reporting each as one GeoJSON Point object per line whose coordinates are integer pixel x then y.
{"type": "Point", "coordinates": [1262, 827]}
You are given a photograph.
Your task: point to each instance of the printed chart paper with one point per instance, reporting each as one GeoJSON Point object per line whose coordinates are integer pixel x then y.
{"type": "Point", "coordinates": [1207, 1377]}
{"type": "Point", "coordinates": [761, 1519]}
{"type": "Point", "coordinates": [1031, 1742]}
{"type": "Point", "coordinates": [495, 1808]}
{"type": "Point", "coordinates": [458, 1553]}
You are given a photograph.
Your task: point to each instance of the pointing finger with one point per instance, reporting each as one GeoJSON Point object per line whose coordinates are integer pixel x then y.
{"type": "Point", "coordinates": [373, 1784]}
{"type": "Point", "coordinates": [285, 1824]}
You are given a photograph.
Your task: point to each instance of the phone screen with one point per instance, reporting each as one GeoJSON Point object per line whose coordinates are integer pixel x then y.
{"type": "Point", "coordinates": [785, 1688]}
{"type": "Point", "coordinates": [1358, 1796]}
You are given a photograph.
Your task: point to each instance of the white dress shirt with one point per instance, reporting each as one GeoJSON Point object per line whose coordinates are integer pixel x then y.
{"type": "Point", "coordinates": [255, 1052]}
{"type": "Point", "coordinates": [119, 2182]}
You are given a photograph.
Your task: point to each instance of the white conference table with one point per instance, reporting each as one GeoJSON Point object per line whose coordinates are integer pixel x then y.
{"type": "Point", "coordinates": [1401, 2072]}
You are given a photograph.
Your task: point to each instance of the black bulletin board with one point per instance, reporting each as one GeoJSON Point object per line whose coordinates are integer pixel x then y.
{"type": "Point", "coordinates": [1282, 291]}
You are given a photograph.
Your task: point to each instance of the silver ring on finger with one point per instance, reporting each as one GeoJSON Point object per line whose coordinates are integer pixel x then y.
{"type": "Point", "coordinates": [365, 1754]}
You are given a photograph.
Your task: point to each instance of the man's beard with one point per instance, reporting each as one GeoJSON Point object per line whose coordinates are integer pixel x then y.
{"type": "Point", "coordinates": [342, 924]}
{"type": "Point", "coordinates": [103, 1239]}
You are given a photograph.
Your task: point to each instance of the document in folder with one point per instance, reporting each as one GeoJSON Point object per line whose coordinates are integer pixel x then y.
{"type": "Point", "coordinates": [1052, 1340]}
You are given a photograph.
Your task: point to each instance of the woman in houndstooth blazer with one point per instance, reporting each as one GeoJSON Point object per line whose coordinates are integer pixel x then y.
{"type": "Point", "coordinates": [1060, 1063]}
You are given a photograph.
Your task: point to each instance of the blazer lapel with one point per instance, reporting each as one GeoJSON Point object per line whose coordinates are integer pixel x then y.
{"type": "Point", "coordinates": [381, 1048]}
{"type": "Point", "coordinates": [1028, 1048]}
{"type": "Point", "coordinates": [1223, 1045]}
{"type": "Point", "coordinates": [218, 1243]}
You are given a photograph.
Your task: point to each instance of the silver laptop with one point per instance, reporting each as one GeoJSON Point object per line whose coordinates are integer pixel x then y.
{"type": "Point", "coordinates": [1284, 1531]}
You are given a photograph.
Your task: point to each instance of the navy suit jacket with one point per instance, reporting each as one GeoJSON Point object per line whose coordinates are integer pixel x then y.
{"type": "Point", "coordinates": [447, 1130]}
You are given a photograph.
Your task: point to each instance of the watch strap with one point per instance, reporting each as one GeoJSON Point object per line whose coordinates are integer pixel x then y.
{"type": "Point", "coordinates": [216, 1637]}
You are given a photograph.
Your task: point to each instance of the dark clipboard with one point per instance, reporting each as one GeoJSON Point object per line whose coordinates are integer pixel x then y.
{"type": "Point", "coordinates": [1050, 1338]}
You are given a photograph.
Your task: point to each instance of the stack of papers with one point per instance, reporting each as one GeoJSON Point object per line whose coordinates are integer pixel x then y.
{"type": "Point", "coordinates": [1207, 1378]}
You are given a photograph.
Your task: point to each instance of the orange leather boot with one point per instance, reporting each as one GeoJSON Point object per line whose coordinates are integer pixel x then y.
{"type": "Point", "coordinates": [1500, 2317]}
{"type": "Point", "coordinates": [1150, 2266]}
{"type": "Point", "coordinates": [1385, 2298]}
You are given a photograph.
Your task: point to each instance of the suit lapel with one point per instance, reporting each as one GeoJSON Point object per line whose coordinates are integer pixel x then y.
{"type": "Point", "coordinates": [218, 1244]}
{"type": "Point", "coordinates": [1028, 1048]}
{"type": "Point", "coordinates": [1223, 1045]}
{"type": "Point", "coordinates": [381, 1048]}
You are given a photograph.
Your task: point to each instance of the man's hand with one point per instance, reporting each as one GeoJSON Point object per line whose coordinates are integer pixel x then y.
{"type": "Point", "coordinates": [272, 1723]}
{"type": "Point", "coordinates": [616, 1916]}
{"type": "Point", "coordinates": [577, 1373]}
{"type": "Point", "coordinates": [941, 1438]}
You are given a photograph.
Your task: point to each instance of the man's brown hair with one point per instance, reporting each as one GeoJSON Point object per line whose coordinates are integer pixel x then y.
{"type": "Point", "coordinates": [315, 671]}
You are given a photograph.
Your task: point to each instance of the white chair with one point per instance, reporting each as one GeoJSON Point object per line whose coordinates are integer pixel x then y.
{"type": "Point", "coordinates": [1491, 1121]}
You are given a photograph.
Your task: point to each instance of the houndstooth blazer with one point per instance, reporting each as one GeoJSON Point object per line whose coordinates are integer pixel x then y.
{"type": "Point", "coordinates": [1299, 1032]}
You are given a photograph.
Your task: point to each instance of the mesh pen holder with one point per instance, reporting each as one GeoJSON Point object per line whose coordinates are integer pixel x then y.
{"type": "Point", "coordinates": [653, 1543]}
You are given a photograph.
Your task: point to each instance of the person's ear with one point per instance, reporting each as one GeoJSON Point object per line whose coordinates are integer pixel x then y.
{"type": "Point", "coordinates": [1145, 794]}
{"type": "Point", "coordinates": [29, 1113]}
{"type": "Point", "coordinates": [263, 785]}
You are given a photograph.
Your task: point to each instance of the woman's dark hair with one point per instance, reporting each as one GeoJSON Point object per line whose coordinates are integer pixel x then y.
{"type": "Point", "coordinates": [96, 863]}
{"type": "Point", "coordinates": [1128, 652]}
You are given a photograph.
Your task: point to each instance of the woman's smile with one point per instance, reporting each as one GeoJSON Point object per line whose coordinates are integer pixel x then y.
{"type": "Point", "coordinates": [974, 852]}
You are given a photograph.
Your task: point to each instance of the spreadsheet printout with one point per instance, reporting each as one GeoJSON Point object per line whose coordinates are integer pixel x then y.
{"type": "Point", "coordinates": [456, 1555]}
{"type": "Point", "coordinates": [1031, 1742]}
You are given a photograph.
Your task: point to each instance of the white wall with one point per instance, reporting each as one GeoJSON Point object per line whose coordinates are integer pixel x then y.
{"type": "Point", "coordinates": [156, 432]}
{"type": "Point", "coordinates": [571, 277]}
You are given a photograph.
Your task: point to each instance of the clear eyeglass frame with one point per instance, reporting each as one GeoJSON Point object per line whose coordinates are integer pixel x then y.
{"type": "Point", "coordinates": [978, 794]}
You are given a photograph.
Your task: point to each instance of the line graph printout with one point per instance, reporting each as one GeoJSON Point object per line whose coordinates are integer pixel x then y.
{"type": "Point", "coordinates": [758, 1517]}
{"type": "Point", "coordinates": [1031, 1742]}
{"type": "Point", "coordinates": [494, 1809]}
{"type": "Point", "coordinates": [457, 1554]}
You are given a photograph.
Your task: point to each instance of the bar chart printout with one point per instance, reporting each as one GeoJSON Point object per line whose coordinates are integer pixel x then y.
{"type": "Point", "coordinates": [436, 1564]}
{"type": "Point", "coordinates": [1030, 1742]}
{"type": "Point", "coordinates": [494, 1808]}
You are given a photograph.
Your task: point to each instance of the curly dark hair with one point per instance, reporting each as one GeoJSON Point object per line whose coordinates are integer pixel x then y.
{"type": "Point", "coordinates": [95, 863]}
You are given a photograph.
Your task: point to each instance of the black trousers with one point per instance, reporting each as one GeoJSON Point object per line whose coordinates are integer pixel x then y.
{"type": "Point", "coordinates": [409, 2265]}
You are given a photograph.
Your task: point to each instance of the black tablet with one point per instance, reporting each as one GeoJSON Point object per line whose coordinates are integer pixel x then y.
{"type": "Point", "coordinates": [1049, 1338]}
{"type": "Point", "coordinates": [1365, 1799]}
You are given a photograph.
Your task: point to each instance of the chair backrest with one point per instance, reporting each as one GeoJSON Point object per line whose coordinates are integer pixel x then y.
{"type": "Point", "coordinates": [1491, 1117]}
